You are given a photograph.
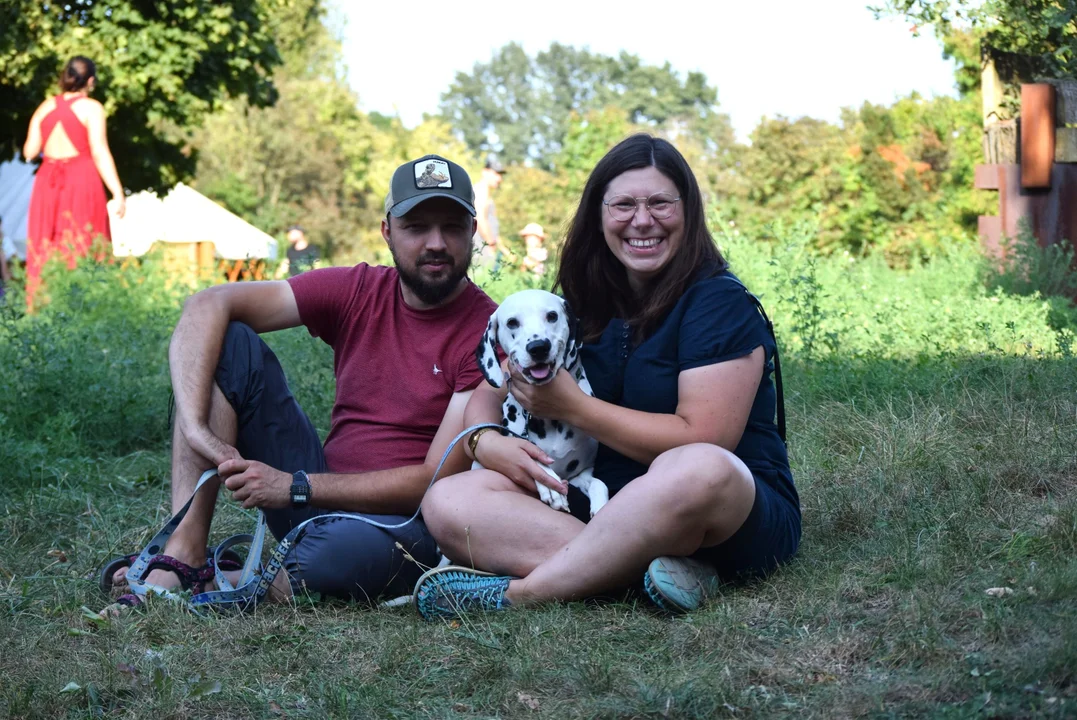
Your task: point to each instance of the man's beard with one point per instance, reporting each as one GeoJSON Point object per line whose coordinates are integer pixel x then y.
{"type": "Point", "coordinates": [431, 292]}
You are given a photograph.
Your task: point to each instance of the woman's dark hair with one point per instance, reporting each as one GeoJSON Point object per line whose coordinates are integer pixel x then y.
{"type": "Point", "coordinates": [595, 283]}
{"type": "Point", "coordinates": [77, 73]}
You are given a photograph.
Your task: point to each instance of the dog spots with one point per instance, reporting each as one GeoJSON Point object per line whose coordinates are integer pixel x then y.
{"type": "Point", "coordinates": [569, 435]}
{"type": "Point", "coordinates": [557, 426]}
{"type": "Point", "coordinates": [571, 468]}
{"type": "Point", "coordinates": [504, 422]}
{"type": "Point", "coordinates": [537, 426]}
{"type": "Point", "coordinates": [512, 413]}
{"type": "Point", "coordinates": [489, 363]}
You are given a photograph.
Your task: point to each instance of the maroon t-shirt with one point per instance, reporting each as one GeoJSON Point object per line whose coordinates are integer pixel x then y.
{"type": "Point", "coordinates": [396, 367]}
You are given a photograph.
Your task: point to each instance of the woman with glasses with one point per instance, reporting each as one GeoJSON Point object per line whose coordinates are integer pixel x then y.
{"type": "Point", "coordinates": [682, 363]}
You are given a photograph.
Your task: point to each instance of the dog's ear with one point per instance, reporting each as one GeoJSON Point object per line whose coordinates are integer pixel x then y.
{"type": "Point", "coordinates": [486, 354]}
{"type": "Point", "coordinates": [575, 336]}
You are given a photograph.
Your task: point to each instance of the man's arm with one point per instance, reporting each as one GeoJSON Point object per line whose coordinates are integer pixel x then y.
{"type": "Point", "coordinates": [196, 346]}
{"type": "Point", "coordinates": [395, 491]}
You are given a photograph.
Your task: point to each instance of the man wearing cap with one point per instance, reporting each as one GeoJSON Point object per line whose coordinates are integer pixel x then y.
{"type": "Point", "coordinates": [404, 340]}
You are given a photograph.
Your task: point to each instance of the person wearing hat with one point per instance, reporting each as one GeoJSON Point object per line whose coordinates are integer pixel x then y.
{"type": "Point", "coordinates": [536, 253]}
{"type": "Point", "coordinates": [487, 240]}
{"type": "Point", "coordinates": [404, 341]}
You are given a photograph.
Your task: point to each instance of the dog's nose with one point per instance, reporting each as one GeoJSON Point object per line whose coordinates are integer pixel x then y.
{"type": "Point", "coordinates": [538, 349]}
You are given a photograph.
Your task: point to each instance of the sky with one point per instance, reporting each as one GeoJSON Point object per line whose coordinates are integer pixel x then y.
{"type": "Point", "coordinates": [766, 57]}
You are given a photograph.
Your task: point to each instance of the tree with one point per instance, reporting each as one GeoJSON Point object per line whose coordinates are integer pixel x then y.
{"type": "Point", "coordinates": [312, 158]}
{"type": "Point", "coordinates": [896, 180]}
{"type": "Point", "coordinates": [1026, 39]}
{"type": "Point", "coordinates": [162, 68]}
{"type": "Point", "coordinates": [522, 107]}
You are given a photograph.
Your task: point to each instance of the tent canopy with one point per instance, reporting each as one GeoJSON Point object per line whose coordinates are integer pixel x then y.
{"type": "Point", "coordinates": [183, 216]}
{"type": "Point", "coordinates": [186, 216]}
{"type": "Point", "coordinates": [16, 184]}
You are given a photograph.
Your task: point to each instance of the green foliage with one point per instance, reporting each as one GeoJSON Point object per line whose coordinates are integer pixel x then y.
{"type": "Point", "coordinates": [895, 179]}
{"type": "Point", "coordinates": [532, 195]}
{"type": "Point", "coordinates": [162, 68]}
{"type": "Point", "coordinates": [88, 374]}
{"type": "Point", "coordinates": [522, 107]}
{"type": "Point", "coordinates": [1027, 39]}
{"type": "Point", "coordinates": [312, 158]}
{"type": "Point", "coordinates": [1027, 268]}
{"type": "Point", "coordinates": [849, 307]}
{"type": "Point", "coordinates": [933, 452]}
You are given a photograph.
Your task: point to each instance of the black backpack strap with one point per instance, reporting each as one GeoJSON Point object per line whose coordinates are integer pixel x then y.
{"type": "Point", "coordinates": [777, 360]}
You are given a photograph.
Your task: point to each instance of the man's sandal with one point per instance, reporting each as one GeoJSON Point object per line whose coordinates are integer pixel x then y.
{"type": "Point", "coordinates": [230, 560]}
{"type": "Point", "coordinates": [191, 578]}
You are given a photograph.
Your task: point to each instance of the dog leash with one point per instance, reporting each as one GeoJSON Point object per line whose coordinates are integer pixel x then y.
{"type": "Point", "coordinates": [254, 583]}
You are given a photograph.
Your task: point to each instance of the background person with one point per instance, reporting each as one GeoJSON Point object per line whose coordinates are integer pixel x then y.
{"type": "Point", "coordinates": [300, 255]}
{"type": "Point", "coordinates": [535, 254]}
{"type": "Point", "coordinates": [487, 241]}
{"type": "Point", "coordinates": [67, 207]}
{"type": "Point", "coordinates": [680, 361]}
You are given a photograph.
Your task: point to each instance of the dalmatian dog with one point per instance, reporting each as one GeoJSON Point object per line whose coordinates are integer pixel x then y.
{"type": "Point", "coordinates": [537, 330]}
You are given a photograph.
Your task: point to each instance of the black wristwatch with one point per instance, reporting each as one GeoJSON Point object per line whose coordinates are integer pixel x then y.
{"type": "Point", "coordinates": [300, 489]}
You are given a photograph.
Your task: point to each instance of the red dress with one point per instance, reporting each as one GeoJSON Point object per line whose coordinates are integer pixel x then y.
{"type": "Point", "coordinates": [67, 207]}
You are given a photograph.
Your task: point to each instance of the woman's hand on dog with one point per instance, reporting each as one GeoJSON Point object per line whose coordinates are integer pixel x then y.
{"type": "Point", "coordinates": [518, 460]}
{"type": "Point", "coordinates": [555, 400]}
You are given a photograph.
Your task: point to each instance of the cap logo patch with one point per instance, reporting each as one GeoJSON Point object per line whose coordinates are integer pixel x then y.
{"type": "Point", "coordinates": [432, 174]}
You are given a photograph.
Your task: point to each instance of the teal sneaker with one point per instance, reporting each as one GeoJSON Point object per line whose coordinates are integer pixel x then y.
{"type": "Point", "coordinates": [679, 584]}
{"type": "Point", "coordinates": [452, 591]}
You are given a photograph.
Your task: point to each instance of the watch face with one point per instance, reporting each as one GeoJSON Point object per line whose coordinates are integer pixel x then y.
{"type": "Point", "coordinates": [300, 493]}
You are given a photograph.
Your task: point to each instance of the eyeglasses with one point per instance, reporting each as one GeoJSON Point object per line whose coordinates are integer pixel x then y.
{"type": "Point", "coordinates": [623, 207]}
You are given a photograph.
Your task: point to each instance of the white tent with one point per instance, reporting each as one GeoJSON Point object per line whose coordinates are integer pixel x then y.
{"type": "Point", "coordinates": [16, 184]}
{"type": "Point", "coordinates": [184, 216]}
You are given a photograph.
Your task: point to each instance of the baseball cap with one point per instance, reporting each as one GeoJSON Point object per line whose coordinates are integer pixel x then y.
{"type": "Point", "coordinates": [428, 177]}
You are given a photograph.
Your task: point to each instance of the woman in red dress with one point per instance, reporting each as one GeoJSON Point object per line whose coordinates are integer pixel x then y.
{"type": "Point", "coordinates": [68, 212]}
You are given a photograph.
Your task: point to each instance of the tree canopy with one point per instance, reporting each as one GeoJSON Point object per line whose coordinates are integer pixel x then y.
{"type": "Point", "coordinates": [162, 68]}
{"type": "Point", "coordinates": [1027, 39]}
{"type": "Point", "coordinates": [313, 157]}
{"type": "Point", "coordinates": [521, 107]}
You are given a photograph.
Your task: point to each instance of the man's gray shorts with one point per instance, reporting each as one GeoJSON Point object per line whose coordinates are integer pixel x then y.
{"type": "Point", "coordinates": [335, 557]}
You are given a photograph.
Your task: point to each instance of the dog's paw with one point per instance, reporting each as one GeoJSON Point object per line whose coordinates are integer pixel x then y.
{"type": "Point", "coordinates": [599, 496]}
{"type": "Point", "coordinates": [556, 500]}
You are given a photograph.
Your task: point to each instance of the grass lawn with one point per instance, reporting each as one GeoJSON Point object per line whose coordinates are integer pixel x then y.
{"type": "Point", "coordinates": [926, 478]}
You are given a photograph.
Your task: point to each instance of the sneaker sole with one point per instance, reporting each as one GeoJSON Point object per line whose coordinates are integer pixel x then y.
{"type": "Point", "coordinates": [677, 578]}
{"type": "Point", "coordinates": [438, 571]}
